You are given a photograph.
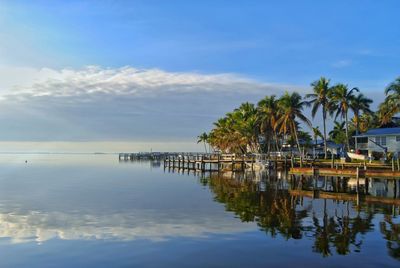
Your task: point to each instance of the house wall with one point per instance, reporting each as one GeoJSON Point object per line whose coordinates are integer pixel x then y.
{"type": "Point", "coordinates": [391, 143]}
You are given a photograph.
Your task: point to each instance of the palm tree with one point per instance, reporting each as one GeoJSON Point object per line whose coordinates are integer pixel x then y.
{"type": "Point", "coordinates": [320, 98]}
{"type": "Point", "coordinates": [225, 136]}
{"type": "Point", "coordinates": [338, 128]}
{"type": "Point", "coordinates": [291, 106]}
{"type": "Point", "coordinates": [203, 138]}
{"type": "Point", "coordinates": [247, 124]}
{"type": "Point", "coordinates": [238, 131]}
{"type": "Point", "coordinates": [337, 133]}
{"type": "Point", "coordinates": [393, 90]}
{"type": "Point", "coordinates": [391, 105]}
{"type": "Point", "coordinates": [360, 104]}
{"type": "Point", "coordinates": [342, 97]}
{"type": "Point", "coordinates": [385, 112]}
{"type": "Point", "coordinates": [367, 121]}
{"type": "Point", "coordinates": [268, 116]}
{"type": "Point", "coordinates": [316, 134]}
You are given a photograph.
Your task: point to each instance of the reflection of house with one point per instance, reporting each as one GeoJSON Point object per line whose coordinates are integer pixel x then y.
{"type": "Point", "coordinates": [375, 140]}
{"type": "Point", "coordinates": [385, 188]}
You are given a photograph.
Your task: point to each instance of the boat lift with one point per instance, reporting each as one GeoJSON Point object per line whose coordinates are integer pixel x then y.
{"type": "Point", "coordinates": [385, 149]}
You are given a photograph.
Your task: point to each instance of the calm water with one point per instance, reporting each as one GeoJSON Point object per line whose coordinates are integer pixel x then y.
{"type": "Point", "coordinates": [94, 211]}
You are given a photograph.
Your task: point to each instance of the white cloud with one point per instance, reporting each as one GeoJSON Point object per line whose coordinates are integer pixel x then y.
{"type": "Point", "coordinates": [127, 103]}
{"type": "Point", "coordinates": [126, 81]}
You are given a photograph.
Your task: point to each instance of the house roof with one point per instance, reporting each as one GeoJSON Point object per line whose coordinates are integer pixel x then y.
{"type": "Point", "coordinates": [333, 145]}
{"type": "Point", "coordinates": [381, 132]}
{"type": "Point", "coordinates": [329, 143]}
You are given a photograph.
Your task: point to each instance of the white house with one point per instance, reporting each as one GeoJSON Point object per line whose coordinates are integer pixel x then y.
{"type": "Point", "coordinates": [378, 140]}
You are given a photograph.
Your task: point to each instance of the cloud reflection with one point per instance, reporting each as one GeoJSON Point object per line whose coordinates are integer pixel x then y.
{"type": "Point", "coordinates": [41, 227]}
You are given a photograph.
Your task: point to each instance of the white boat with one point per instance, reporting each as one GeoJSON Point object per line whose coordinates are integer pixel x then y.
{"type": "Point", "coordinates": [356, 156]}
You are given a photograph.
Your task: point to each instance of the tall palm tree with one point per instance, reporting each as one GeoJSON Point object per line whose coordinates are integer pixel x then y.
{"type": "Point", "coordinates": [360, 104]}
{"type": "Point", "coordinates": [291, 106]}
{"type": "Point", "coordinates": [341, 96]}
{"type": "Point", "coordinates": [204, 139]}
{"type": "Point", "coordinates": [268, 116]}
{"type": "Point", "coordinates": [320, 98]}
{"type": "Point", "coordinates": [391, 105]}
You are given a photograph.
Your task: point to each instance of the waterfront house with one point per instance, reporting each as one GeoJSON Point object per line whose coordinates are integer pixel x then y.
{"type": "Point", "coordinates": [315, 148]}
{"type": "Point", "coordinates": [332, 148]}
{"type": "Point", "coordinates": [379, 140]}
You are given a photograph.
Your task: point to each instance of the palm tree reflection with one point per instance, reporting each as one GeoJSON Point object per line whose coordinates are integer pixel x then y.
{"type": "Point", "coordinates": [335, 226]}
{"type": "Point", "coordinates": [391, 232]}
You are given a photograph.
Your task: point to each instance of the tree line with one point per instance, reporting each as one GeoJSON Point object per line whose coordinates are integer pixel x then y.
{"type": "Point", "coordinates": [264, 127]}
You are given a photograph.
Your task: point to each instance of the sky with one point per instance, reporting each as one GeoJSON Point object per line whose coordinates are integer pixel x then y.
{"type": "Point", "coordinates": [161, 72]}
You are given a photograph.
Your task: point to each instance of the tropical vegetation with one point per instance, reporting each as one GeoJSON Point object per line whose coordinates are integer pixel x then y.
{"type": "Point", "coordinates": [276, 122]}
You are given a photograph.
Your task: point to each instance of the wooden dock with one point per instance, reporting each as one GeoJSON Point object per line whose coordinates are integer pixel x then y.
{"type": "Point", "coordinates": [210, 162]}
{"type": "Point", "coordinates": [233, 162]}
{"type": "Point", "coordinates": [348, 172]}
{"type": "Point", "coordinates": [144, 156]}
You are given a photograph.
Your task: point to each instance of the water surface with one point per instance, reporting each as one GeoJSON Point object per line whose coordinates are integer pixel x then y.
{"type": "Point", "coordinates": [92, 210]}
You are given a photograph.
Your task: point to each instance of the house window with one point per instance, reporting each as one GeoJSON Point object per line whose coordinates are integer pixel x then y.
{"type": "Point", "coordinates": [381, 141]}
{"type": "Point", "coordinates": [363, 140]}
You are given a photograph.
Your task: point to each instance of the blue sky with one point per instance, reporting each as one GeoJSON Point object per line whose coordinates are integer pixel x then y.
{"type": "Point", "coordinates": [271, 45]}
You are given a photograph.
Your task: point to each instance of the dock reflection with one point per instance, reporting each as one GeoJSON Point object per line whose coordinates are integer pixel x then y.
{"type": "Point", "coordinates": [335, 213]}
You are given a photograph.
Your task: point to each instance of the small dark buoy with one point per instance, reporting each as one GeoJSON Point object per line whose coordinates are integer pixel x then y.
{"type": "Point", "coordinates": [26, 161]}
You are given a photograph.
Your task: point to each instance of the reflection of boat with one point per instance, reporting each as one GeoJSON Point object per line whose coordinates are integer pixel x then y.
{"type": "Point", "coordinates": [356, 156]}
{"type": "Point", "coordinates": [261, 162]}
{"type": "Point", "coordinates": [352, 182]}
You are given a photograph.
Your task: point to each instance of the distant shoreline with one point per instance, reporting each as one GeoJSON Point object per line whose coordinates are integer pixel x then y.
{"type": "Point", "coordinates": [61, 153]}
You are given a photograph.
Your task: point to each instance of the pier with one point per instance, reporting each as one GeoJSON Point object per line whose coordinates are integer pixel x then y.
{"type": "Point", "coordinates": [349, 172]}
{"type": "Point", "coordinates": [210, 162]}
{"type": "Point", "coordinates": [234, 162]}
{"type": "Point", "coordinates": [145, 156]}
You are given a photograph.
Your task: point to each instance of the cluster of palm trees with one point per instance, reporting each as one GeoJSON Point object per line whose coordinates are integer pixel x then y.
{"type": "Point", "coordinates": [266, 126]}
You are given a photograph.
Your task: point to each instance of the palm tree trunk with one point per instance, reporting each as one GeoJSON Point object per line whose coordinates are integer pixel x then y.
{"type": "Point", "coordinates": [315, 146]}
{"type": "Point", "coordinates": [205, 147]}
{"type": "Point", "coordinates": [356, 117]}
{"type": "Point", "coordinates": [277, 142]}
{"type": "Point", "coordinates": [324, 120]}
{"type": "Point", "coordinates": [347, 132]}
{"type": "Point", "coordinates": [297, 140]}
